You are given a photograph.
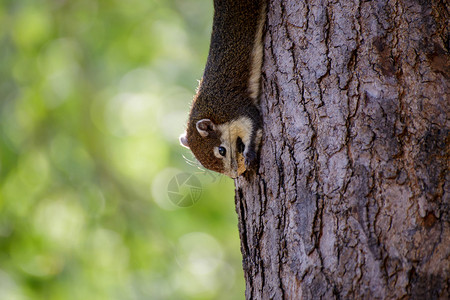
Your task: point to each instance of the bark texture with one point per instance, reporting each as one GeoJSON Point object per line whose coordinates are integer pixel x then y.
{"type": "Point", "coordinates": [352, 198]}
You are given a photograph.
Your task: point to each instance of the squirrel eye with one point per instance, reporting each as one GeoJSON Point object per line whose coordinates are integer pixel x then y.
{"type": "Point", "coordinates": [222, 151]}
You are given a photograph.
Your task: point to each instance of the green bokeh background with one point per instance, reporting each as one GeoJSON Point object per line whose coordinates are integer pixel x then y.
{"type": "Point", "coordinates": [93, 97]}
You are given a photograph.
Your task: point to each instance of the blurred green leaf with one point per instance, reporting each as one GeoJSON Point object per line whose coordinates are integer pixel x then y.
{"type": "Point", "coordinates": [93, 97]}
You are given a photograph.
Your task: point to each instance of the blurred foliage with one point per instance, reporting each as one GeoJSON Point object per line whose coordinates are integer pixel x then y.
{"type": "Point", "coordinates": [93, 97]}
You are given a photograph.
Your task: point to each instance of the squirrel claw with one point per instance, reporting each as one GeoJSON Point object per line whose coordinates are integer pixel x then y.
{"type": "Point", "coordinates": [250, 160]}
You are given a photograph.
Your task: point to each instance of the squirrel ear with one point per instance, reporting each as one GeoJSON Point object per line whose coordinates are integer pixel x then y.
{"type": "Point", "coordinates": [205, 127]}
{"type": "Point", "coordinates": [183, 140]}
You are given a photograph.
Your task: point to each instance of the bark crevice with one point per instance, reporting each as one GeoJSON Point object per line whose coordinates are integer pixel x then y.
{"type": "Point", "coordinates": [352, 197]}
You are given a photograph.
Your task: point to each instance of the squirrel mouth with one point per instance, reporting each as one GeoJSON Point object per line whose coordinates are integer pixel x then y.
{"type": "Point", "coordinates": [240, 145]}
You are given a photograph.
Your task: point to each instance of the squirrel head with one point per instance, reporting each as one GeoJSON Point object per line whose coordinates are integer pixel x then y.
{"type": "Point", "coordinates": [214, 147]}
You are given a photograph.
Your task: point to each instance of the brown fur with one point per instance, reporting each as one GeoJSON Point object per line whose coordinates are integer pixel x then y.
{"type": "Point", "coordinates": [224, 93]}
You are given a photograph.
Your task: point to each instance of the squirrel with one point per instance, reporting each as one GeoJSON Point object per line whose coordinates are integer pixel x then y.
{"type": "Point", "coordinates": [224, 128]}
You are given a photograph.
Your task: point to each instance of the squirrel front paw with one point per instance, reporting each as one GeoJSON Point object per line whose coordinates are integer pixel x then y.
{"type": "Point", "coordinates": [250, 159]}
{"type": "Point", "coordinates": [249, 153]}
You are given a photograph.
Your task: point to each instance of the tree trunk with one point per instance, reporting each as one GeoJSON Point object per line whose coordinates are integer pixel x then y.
{"type": "Point", "coordinates": [352, 196]}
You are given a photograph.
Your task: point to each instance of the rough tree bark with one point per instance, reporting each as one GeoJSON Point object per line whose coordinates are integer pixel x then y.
{"type": "Point", "coordinates": [352, 196]}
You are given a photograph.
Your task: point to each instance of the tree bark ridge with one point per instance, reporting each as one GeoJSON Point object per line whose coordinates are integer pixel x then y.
{"type": "Point", "coordinates": [352, 197]}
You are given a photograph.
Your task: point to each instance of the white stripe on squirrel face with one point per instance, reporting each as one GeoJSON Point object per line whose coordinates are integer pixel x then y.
{"type": "Point", "coordinates": [230, 131]}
